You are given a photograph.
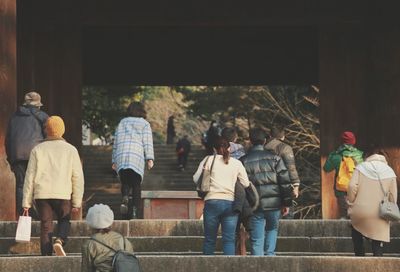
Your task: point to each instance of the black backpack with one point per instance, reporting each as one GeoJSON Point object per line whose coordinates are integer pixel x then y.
{"type": "Point", "coordinates": [122, 261]}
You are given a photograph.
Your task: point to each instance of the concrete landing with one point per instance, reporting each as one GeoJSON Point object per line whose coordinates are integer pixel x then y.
{"type": "Point", "coordinates": [214, 264]}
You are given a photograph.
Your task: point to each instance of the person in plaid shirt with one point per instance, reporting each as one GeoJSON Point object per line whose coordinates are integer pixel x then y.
{"type": "Point", "coordinates": [133, 147]}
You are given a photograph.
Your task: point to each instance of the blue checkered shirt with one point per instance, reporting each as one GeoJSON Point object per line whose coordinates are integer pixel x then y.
{"type": "Point", "coordinates": [237, 150]}
{"type": "Point", "coordinates": [133, 144]}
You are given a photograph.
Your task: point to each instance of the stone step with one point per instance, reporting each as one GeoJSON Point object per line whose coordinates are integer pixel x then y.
{"type": "Point", "coordinates": [194, 227]}
{"type": "Point", "coordinates": [165, 157]}
{"type": "Point", "coordinates": [195, 243]}
{"type": "Point", "coordinates": [220, 253]}
{"type": "Point", "coordinates": [215, 263]}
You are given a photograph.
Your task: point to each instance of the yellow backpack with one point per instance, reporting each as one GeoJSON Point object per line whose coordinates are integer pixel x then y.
{"type": "Point", "coordinates": [346, 170]}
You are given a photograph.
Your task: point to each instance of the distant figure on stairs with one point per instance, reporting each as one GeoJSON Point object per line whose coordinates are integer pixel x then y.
{"type": "Point", "coordinates": [170, 130]}
{"type": "Point", "coordinates": [212, 134]}
{"type": "Point", "coordinates": [182, 151]}
{"type": "Point", "coordinates": [133, 147]}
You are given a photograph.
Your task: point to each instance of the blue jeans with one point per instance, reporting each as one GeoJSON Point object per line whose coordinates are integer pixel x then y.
{"type": "Point", "coordinates": [264, 232]}
{"type": "Point", "coordinates": [218, 212]}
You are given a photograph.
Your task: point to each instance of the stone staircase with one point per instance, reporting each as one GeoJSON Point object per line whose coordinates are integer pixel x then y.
{"type": "Point", "coordinates": [102, 184]}
{"type": "Point", "coordinates": [176, 245]}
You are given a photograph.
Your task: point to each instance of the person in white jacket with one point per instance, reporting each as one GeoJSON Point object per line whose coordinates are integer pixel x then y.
{"type": "Point", "coordinates": [218, 207]}
{"type": "Point", "coordinates": [54, 178]}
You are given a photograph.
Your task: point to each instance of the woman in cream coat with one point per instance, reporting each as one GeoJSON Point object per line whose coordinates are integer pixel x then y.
{"type": "Point", "coordinates": [364, 195]}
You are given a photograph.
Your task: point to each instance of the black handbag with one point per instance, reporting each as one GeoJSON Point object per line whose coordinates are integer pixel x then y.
{"type": "Point", "coordinates": [204, 181]}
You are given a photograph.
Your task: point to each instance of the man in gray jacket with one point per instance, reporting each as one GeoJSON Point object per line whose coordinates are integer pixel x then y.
{"type": "Point", "coordinates": [285, 151]}
{"type": "Point", "coordinates": [25, 130]}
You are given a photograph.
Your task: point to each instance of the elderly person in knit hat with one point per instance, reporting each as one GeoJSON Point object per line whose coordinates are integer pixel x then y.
{"type": "Point", "coordinates": [335, 158]}
{"type": "Point", "coordinates": [96, 256]}
{"type": "Point", "coordinates": [54, 178]}
{"type": "Point", "coordinates": [25, 130]}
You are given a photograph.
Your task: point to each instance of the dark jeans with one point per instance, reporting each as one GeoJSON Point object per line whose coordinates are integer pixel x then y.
{"type": "Point", "coordinates": [131, 181]}
{"type": "Point", "coordinates": [62, 210]}
{"type": "Point", "coordinates": [182, 159]}
{"type": "Point", "coordinates": [343, 206]}
{"type": "Point", "coordinates": [19, 169]}
{"type": "Point", "coordinates": [358, 242]}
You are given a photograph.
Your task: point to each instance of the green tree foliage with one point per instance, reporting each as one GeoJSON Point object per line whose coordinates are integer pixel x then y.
{"type": "Point", "coordinates": [295, 108]}
{"type": "Point", "coordinates": [103, 108]}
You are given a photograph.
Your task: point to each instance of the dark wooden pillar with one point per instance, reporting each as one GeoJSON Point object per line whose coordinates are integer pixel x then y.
{"type": "Point", "coordinates": [343, 74]}
{"type": "Point", "coordinates": [8, 93]}
{"type": "Point", "coordinates": [383, 111]}
{"type": "Point", "coordinates": [50, 60]}
{"type": "Point", "coordinates": [360, 82]}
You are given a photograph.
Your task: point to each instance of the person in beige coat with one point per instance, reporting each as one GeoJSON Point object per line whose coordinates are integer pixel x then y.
{"type": "Point", "coordinates": [54, 178]}
{"type": "Point", "coordinates": [364, 195]}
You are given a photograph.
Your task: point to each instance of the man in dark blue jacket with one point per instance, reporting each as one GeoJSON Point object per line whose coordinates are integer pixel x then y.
{"type": "Point", "coordinates": [268, 173]}
{"type": "Point", "coordinates": [25, 130]}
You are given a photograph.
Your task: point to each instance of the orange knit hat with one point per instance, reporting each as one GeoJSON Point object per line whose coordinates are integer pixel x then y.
{"type": "Point", "coordinates": [55, 127]}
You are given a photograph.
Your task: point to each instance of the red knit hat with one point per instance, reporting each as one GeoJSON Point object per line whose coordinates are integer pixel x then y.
{"type": "Point", "coordinates": [348, 138]}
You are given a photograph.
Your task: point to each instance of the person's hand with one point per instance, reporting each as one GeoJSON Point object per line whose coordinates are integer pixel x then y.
{"type": "Point", "coordinates": [150, 164]}
{"type": "Point", "coordinates": [284, 211]}
{"type": "Point", "coordinates": [114, 167]}
{"type": "Point", "coordinates": [296, 191]}
{"type": "Point", "coordinates": [75, 210]}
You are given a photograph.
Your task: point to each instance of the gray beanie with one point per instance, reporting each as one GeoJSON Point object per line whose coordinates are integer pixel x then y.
{"type": "Point", "coordinates": [100, 216]}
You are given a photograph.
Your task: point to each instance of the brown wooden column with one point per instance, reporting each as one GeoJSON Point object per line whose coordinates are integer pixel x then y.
{"type": "Point", "coordinates": [50, 60]}
{"type": "Point", "coordinates": [382, 113]}
{"type": "Point", "coordinates": [8, 93]}
{"type": "Point", "coordinates": [343, 75]}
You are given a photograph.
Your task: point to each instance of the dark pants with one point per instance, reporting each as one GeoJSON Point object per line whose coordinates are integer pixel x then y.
{"type": "Point", "coordinates": [131, 181]}
{"type": "Point", "coordinates": [358, 242]}
{"type": "Point", "coordinates": [170, 138]}
{"type": "Point", "coordinates": [343, 206]}
{"type": "Point", "coordinates": [19, 169]}
{"type": "Point", "coordinates": [182, 159]}
{"type": "Point", "coordinates": [62, 210]}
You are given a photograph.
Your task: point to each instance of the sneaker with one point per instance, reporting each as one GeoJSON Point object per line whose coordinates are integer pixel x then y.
{"type": "Point", "coordinates": [124, 205]}
{"type": "Point", "coordinates": [58, 248]}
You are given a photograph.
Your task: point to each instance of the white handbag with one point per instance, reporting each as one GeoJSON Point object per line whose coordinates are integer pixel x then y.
{"type": "Point", "coordinates": [23, 233]}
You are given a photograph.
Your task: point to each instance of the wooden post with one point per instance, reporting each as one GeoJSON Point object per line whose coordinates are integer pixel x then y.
{"type": "Point", "coordinates": [8, 94]}
{"type": "Point", "coordinates": [343, 57]}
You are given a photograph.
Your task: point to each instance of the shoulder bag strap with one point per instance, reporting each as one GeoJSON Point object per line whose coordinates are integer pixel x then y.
{"type": "Point", "coordinates": [212, 164]}
{"type": "Point", "coordinates": [385, 195]}
{"type": "Point", "coordinates": [91, 238]}
{"type": "Point", "coordinates": [36, 117]}
{"type": "Point", "coordinates": [123, 239]}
